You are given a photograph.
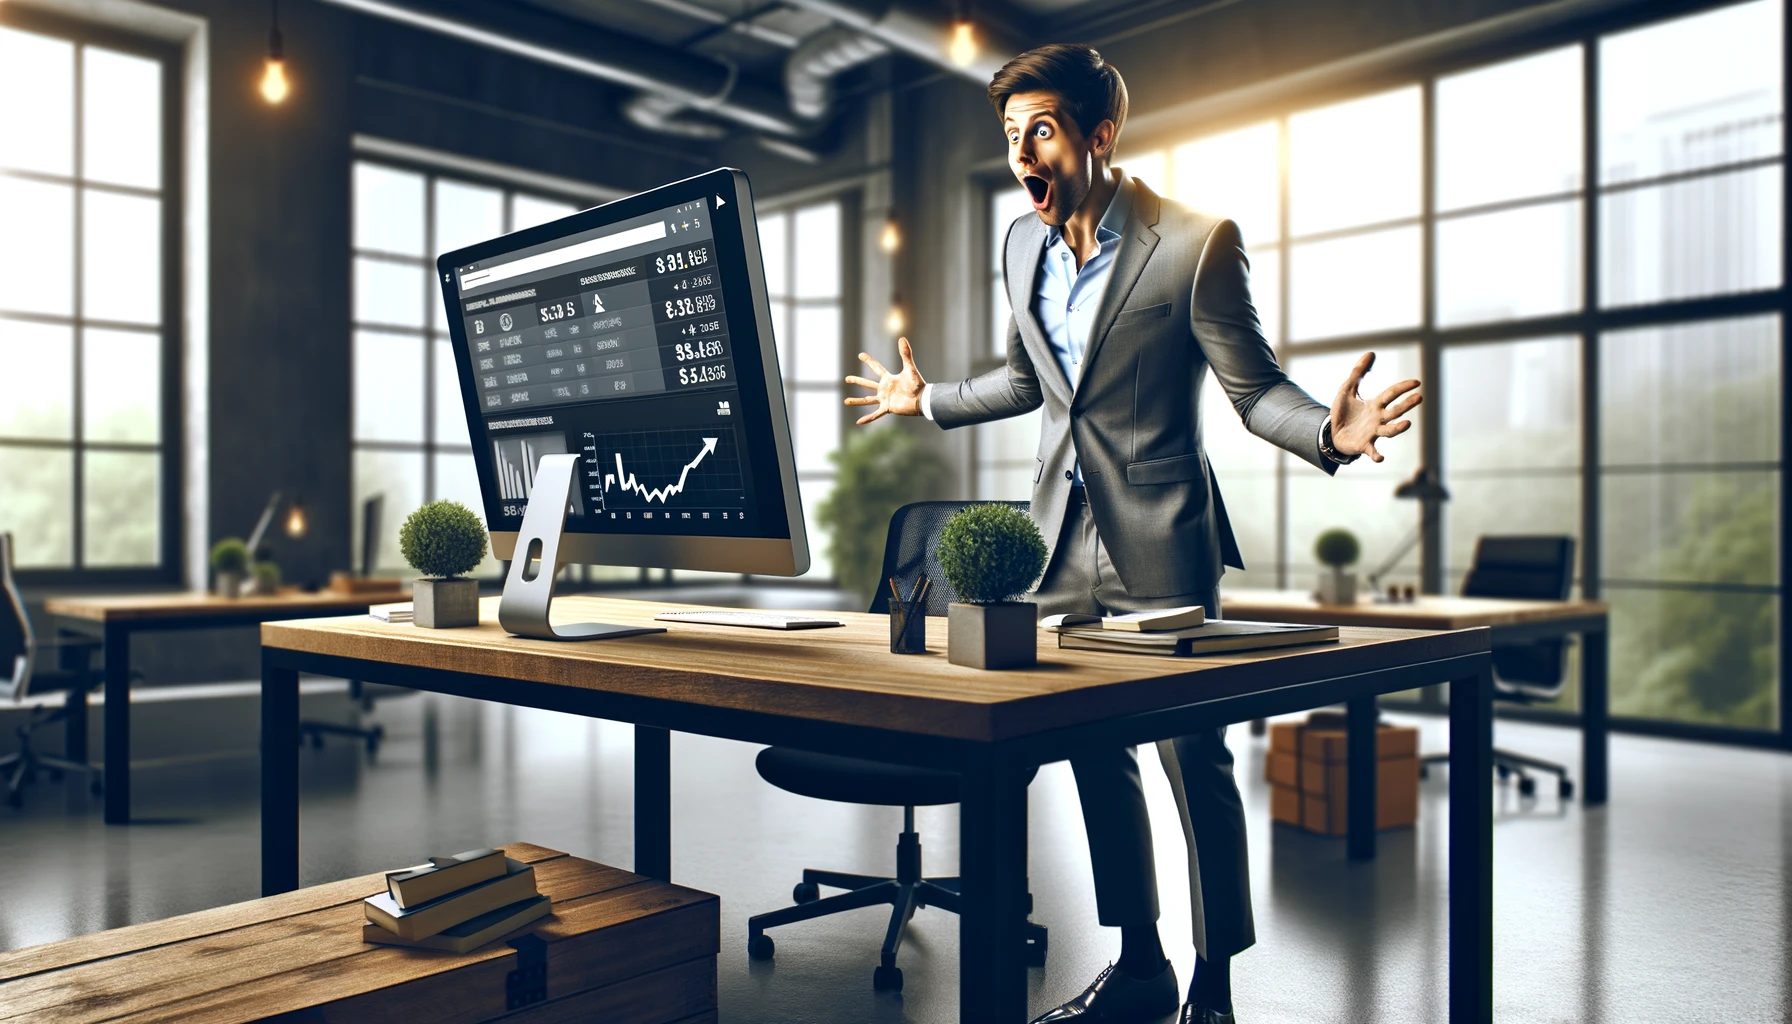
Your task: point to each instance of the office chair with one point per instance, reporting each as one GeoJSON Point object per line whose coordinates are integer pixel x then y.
{"type": "Point", "coordinates": [910, 551]}
{"type": "Point", "coordinates": [34, 666]}
{"type": "Point", "coordinates": [362, 693]}
{"type": "Point", "coordinates": [1533, 568]}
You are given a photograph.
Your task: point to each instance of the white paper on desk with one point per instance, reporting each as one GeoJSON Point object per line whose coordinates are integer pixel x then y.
{"type": "Point", "coordinates": [398, 612]}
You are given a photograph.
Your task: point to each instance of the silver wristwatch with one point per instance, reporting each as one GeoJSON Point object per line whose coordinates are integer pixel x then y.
{"type": "Point", "coordinates": [1326, 449]}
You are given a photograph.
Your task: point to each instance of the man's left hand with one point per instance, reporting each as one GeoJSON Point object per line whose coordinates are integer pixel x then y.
{"type": "Point", "coordinates": [1356, 423]}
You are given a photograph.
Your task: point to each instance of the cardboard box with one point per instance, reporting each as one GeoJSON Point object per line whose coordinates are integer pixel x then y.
{"type": "Point", "coordinates": [1308, 775]}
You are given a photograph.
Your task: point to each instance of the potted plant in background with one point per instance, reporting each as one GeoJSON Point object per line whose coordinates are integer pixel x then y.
{"type": "Point", "coordinates": [443, 540]}
{"type": "Point", "coordinates": [1336, 549]}
{"type": "Point", "coordinates": [264, 577]}
{"type": "Point", "coordinates": [229, 557]}
{"type": "Point", "coordinates": [991, 554]}
{"type": "Point", "coordinates": [881, 470]}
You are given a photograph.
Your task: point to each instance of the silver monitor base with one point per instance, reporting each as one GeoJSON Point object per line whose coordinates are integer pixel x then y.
{"type": "Point", "coordinates": [529, 589]}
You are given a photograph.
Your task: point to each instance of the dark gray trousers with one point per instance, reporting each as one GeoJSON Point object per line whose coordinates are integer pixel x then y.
{"type": "Point", "coordinates": [1081, 578]}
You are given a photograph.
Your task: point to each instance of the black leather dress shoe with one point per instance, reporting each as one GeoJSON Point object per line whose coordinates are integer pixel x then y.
{"type": "Point", "coordinates": [1116, 997]}
{"type": "Point", "coordinates": [1194, 1013]}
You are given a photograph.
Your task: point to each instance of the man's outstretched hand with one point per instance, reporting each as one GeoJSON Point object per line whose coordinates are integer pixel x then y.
{"type": "Point", "coordinates": [1356, 423]}
{"type": "Point", "coordinates": [898, 393]}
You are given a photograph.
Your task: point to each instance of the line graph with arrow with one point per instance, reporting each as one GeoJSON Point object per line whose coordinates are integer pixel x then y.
{"type": "Point", "coordinates": [678, 469]}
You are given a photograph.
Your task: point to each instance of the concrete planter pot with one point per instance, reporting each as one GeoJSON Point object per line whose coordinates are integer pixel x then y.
{"type": "Point", "coordinates": [1337, 587]}
{"type": "Point", "coordinates": [227, 584]}
{"type": "Point", "coordinates": [992, 636]}
{"type": "Point", "coordinates": [445, 604]}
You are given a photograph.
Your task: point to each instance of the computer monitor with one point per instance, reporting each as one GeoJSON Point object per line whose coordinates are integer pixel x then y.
{"type": "Point", "coordinates": [637, 336]}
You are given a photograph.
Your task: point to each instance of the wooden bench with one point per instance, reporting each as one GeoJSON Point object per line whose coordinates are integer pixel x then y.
{"type": "Point", "coordinates": [618, 948]}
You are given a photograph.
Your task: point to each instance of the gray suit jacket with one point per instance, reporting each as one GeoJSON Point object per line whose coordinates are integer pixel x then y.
{"type": "Point", "coordinates": [1178, 301]}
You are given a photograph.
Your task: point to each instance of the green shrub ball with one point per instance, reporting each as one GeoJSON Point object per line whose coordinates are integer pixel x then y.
{"type": "Point", "coordinates": [991, 553]}
{"type": "Point", "coordinates": [1337, 548]}
{"type": "Point", "coordinates": [230, 555]}
{"type": "Point", "coordinates": [443, 539]}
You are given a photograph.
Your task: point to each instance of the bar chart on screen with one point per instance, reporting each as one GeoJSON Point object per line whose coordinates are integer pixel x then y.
{"type": "Point", "coordinates": [515, 460]}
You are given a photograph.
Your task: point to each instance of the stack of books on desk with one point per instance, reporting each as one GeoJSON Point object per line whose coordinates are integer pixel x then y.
{"type": "Point", "coordinates": [1180, 632]}
{"type": "Point", "coordinates": [454, 904]}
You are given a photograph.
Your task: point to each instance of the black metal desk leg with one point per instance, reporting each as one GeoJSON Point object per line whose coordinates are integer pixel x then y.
{"type": "Point", "coordinates": [992, 861]}
{"type": "Point", "coordinates": [1359, 759]}
{"type": "Point", "coordinates": [653, 802]}
{"type": "Point", "coordinates": [1595, 716]}
{"type": "Point", "coordinates": [1471, 849]}
{"type": "Point", "coordinates": [279, 778]}
{"type": "Point", "coordinates": [118, 724]}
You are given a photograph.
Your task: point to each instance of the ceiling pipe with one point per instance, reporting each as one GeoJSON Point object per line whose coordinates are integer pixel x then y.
{"type": "Point", "coordinates": [810, 69]}
{"type": "Point", "coordinates": [918, 32]}
{"type": "Point", "coordinates": [689, 79]}
{"type": "Point", "coordinates": [660, 113]}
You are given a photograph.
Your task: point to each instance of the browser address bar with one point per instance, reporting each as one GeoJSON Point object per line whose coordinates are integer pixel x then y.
{"type": "Point", "coordinates": [565, 254]}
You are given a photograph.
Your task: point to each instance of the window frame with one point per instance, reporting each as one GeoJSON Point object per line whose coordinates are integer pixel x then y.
{"type": "Point", "coordinates": [171, 195]}
{"type": "Point", "coordinates": [1589, 323]}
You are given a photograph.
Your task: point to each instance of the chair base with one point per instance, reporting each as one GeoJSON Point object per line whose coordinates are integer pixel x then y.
{"type": "Point", "coordinates": [1507, 763]}
{"type": "Point", "coordinates": [22, 767]}
{"type": "Point", "coordinates": [904, 894]}
{"type": "Point", "coordinates": [316, 731]}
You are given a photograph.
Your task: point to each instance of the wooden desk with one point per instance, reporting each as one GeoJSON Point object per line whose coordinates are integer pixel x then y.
{"type": "Point", "coordinates": [1511, 622]}
{"type": "Point", "coordinates": [114, 617]}
{"type": "Point", "coordinates": [840, 691]}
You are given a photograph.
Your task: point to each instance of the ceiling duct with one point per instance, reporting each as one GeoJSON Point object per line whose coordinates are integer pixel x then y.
{"type": "Point", "coordinates": [687, 79]}
{"type": "Point", "coordinates": [658, 112]}
{"type": "Point", "coordinates": [918, 32]}
{"type": "Point", "coordinates": [810, 69]}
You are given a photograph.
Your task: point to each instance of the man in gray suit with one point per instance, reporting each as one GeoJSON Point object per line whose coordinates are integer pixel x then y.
{"type": "Point", "coordinates": [1122, 302]}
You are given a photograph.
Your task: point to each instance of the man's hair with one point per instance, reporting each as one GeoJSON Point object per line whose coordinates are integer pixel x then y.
{"type": "Point", "coordinates": [1092, 89]}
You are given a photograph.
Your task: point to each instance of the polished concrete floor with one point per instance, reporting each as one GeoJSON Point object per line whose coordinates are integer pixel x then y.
{"type": "Point", "coordinates": [1672, 904]}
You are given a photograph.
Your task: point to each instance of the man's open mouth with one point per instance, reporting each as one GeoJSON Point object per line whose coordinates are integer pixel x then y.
{"type": "Point", "coordinates": [1037, 188]}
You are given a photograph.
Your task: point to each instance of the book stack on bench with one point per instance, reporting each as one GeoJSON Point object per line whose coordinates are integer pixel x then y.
{"type": "Point", "coordinates": [454, 904]}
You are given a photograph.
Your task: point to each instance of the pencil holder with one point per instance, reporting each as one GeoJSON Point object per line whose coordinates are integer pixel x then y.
{"type": "Point", "coordinates": [908, 627]}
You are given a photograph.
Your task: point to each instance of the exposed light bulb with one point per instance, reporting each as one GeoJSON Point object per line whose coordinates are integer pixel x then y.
{"type": "Point", "coordinates": [296, 523]}
{"type": "Point", "coordinates": [891, 239]}
{"type": "Point", "coordinates": [894, 322]}
{"type": "Point", "coordinates": [963, 48]}
{"type": "Point", "coordinates": [274, 87]}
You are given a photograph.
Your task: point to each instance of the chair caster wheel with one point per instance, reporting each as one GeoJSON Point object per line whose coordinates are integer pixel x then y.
{"type": "Point", "coordinates": [1424, 772]}
{"type": "Point", "coordinates": [1036, 945]}
{"type": "Point", "coordinates": [1527, 786]}
{"type": "Point", "coordinates": [761, 947]}
{"type": "Point", "coordinates": [317, 741]}
{"type": "Point", "coordinates": [1502, 771]}
{"type": "Point", "coordinates": [805, 892]}
{"type": "Point", "coordinates": [887, 979]}
{"type": "Point", "coordinates": [1565, 789]}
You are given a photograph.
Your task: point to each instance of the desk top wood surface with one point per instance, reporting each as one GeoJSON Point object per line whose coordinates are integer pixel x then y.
{"type": "Point", "coordinates": [1426, 611]}
{"type": "Point", "coordinates": [302, 950]}
{"type": "Point", "coordinates": [193, 604]}
{"type": "Point", "coordinates": [847, 675]}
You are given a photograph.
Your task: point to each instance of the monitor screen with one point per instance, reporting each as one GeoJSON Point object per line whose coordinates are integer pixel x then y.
{"type": "Point", "coordinates": [637, 336]}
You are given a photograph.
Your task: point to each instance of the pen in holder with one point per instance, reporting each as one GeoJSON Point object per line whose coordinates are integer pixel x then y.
{"type": "Point", "coordinates": [908, 619]}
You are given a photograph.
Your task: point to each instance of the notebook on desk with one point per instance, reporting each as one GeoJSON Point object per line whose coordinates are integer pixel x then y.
{"type": "Point", "coordinates": [1214, 637]}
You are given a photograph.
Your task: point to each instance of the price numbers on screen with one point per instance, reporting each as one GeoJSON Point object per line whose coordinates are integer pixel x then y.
{"type": "Point", "coordinates": [559, 310]}
{"type": "Point", "coordinates": [690, 306]}
{"type": "Point", "coordinates": [709, 374]}
{"type": "Point", "coordinates": [683, 259]}
{"type": "Point", "coordinates": [690, 351]}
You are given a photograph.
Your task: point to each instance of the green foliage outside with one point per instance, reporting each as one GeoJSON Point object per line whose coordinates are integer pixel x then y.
{"type": "Point", "coordinates": [881, 470]}
{"type": "Point", "coordinates": [1337, 548]}
{"type": "Point", "coordinates": [442, 539]}
{"type": "Point", "coordinates": [991, 553]}
{"type": "Point", "coordinates": [230, 555]}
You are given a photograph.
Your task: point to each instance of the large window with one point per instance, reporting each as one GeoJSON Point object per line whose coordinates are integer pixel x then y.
{"type": "Point", "coordinates": [802, 251]}
{"type": "Point", "coordinates": [87, 306]}
{"type": "Point", "coordinates": [410, 429]}
{"type": "Point", "coordinates": [1445, 224]}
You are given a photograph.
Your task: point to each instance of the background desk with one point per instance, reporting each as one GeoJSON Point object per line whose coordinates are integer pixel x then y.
{"type": "Point", "coordinates": [114, 618]}
{"type": "Point", "coordinates": [1511, 622]}
{"type": "Point", "coordinates": [841, 691]}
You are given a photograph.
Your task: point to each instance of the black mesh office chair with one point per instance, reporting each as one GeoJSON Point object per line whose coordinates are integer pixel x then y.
{"type": "Point", "coordinates": [1531, 568]}
{"type": "Point", "coordinates": [364, 694]}
{"type": "Point", "coordinates": [34, 666]}
{"type": "Point", "coordinates": [910, 551]}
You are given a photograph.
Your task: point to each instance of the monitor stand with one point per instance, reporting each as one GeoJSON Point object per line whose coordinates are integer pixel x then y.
{"type": "Point", "coordinates": [529, 589]}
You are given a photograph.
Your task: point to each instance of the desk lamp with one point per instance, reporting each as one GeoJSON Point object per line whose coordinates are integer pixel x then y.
{"type": "Point", "coordinates": [1424, 486]}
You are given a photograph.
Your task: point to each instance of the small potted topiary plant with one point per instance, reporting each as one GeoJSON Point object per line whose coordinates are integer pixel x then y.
{"type": "Point", "coordinates": [265, 578]}
{"type": "Point", "coordinates": [443, 540]}
{"type": "Point", "coordinates": [229, 557]}
{"type": "Point", "coordinates": [992, 555]}
{"type": "Point", "coordinates": [1336, 549]}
